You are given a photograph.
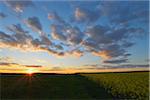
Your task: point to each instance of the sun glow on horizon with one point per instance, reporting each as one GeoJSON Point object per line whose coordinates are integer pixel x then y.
{"type": "Point", "coordinates": [31, 71]}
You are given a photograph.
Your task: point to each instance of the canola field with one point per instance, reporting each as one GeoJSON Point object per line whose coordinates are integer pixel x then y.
{"type": "Point", "coordinates": [133, 85]}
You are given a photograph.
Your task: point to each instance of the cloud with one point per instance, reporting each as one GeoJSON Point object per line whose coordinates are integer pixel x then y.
{"type": "Point", "coordinates": [115, 50]}
{"type": "Point", "coordinates": [16, 28]}
{"type": "Point", "coordinates": [20, 39]}
{"type": "Point", "coordinates": [117, 13]}
{"type": "Point", "coordinates": [128, 44]}
{"type": "Point", "coordinates": [76, 53]}
{"type": "Point", "coordinates": [126, 66]}
{"type": "Point", "coordinates": [92, 65]}
{"type": "Point", "coordinates": [117, 61]}
{"type": "Point", "coordinates": [2, 15]}
{"type": "Point", "coordinates": [7, 64]}
{"type": "Point", "coordinates": [35, 66]}
{"type": "Point", "coordinates": [115, 31]}
{"type": "Point", "coordinates": [58, 47]}
{"type": "Point", "coordinates": [137, 15]}
{"type": "Point", "coordinates": [51, 51]}
{"type": "Point", "coordinates": [104, 54]}
{"type": "Point", "coordinates": [124, 33]}
{"type": "Point", "coordinates": [110, 66]}
{"type": "Point", "coordinates": [55, 69]}
{"type": "Point", "coordinates": [18, 6]}
{"type": "Point", "coordinates": [15, 40]}
{"type": "Point", "coordinates": [54, 16]}
{"type": "Point", "coordinates": [104, 41]}
{"type": "Point", "coordinates": [90, 44]}
{"type": "Point", "coordinates": [98, 34]}
{"type": "Point", "coordinates": [85, 15]}
{"type": "Point", "coordinates": [45, 41]}
{"type": "Point", "coordinates": [63, 31]}
{"type": "Point", "coordinates": [110, 51]}
{"type": "Point", "coordinates": [7, 39]}
{"type": "Point", "coordinates": [6, 59]}
{"type": "Point", "coordinates": [109, 43]}
{"type": "Point", "coordinates": [74, 35]}
{"type": "Point", "coordinates": [34, 24]}
{"type": "Point", "coordinates": [57, 32]}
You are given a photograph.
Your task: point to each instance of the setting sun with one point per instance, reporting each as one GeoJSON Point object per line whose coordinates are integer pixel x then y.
{"type": "Point", "coordinates": [30, 71]}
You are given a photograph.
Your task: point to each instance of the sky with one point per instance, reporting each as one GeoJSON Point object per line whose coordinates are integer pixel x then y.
{"type": "Point", "coordinates": [73, 36]}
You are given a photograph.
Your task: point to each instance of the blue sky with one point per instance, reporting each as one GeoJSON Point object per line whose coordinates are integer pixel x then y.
{"type": "Point", "coordinates": [73, 34]}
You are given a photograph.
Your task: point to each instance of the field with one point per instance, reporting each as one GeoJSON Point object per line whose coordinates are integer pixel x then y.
{"type": "Point", "coordinates": [123, 85]}
{"type": "Point", "coordinates": [75, 86]}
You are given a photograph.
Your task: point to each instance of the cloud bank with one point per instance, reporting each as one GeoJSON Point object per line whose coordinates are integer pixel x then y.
{"type": "Point", "coordinates": [109, 41]}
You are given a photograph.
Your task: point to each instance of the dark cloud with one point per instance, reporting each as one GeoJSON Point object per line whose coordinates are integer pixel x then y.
{"type": "Point", "coordinates": [34, 24]}
{"type": "Point", "coordinates": [117, 61]}
{"type": "Point", "coordinates": [4, 36]}
{"type": "Point", "coordinates": [57, 32]}
{"type": "Point", "coordinates": [110, 66]}
{"type": "Point", "coordinates": [20, 36]}
{"type": "Point", "coordinates": [125, 33]}
{"type": "Point", "coordinates": [7, 39]}
{"type": "Point", "coordinates": [119, 34]}
{"type": "Point", "coordinates": [16, 29]}
{"type": "Point", "coordinates": [52, 51]}
{"type": "Point", "coordinates": [76, 53]}
{"type": "Point", "coordinates": [128, 44]}
{"type": "Point", "coordinates": [7, 64]}
{"type": "Point", "coordinates": [114, 50]}
{"type": "Point", "coordinates": [18, 6]}
{"type": "Point", "coordinates": [98, 34]}
{"type": "Point", "coordinates": [74, 35]}
{"type": "Point", "coordinates": [110, 51]}
{"type": "Point", "coordinates": [117, 13]}
{"type": "Point", "coordinates": [45, 41]}
{"type": "Point", "coordinates": [59, 47]}
{"type": "Point", "coordinates": [90, 44]}
{"type": "Point", "coordinates": [34, 66]}
{"type": "Point", "coordinates": [127, 66]}
{"type": "Point", "coordinates": [126, 55]}
{"type": "Point", "coordinates": [2, 15]}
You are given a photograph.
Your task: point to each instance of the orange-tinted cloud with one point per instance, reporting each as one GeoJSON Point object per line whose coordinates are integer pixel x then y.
{"type": "Point", "coordinates": [104, 54]}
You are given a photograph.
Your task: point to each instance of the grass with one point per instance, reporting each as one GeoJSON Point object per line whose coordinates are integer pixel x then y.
{"type": "Point", "coordinates": [99, 86]}
{"type": "Point", "coordinates": [123, 85]}
{"type": "Point", "coordinates": [50, 87]}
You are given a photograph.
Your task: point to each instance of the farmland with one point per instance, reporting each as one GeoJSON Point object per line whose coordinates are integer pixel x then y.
{"type": "Point", "coordinates": [75, 86]}
{"type": "Point", "coordinates": [41, 86]}
{"type": "Point", "coordinates": [123, 85]}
